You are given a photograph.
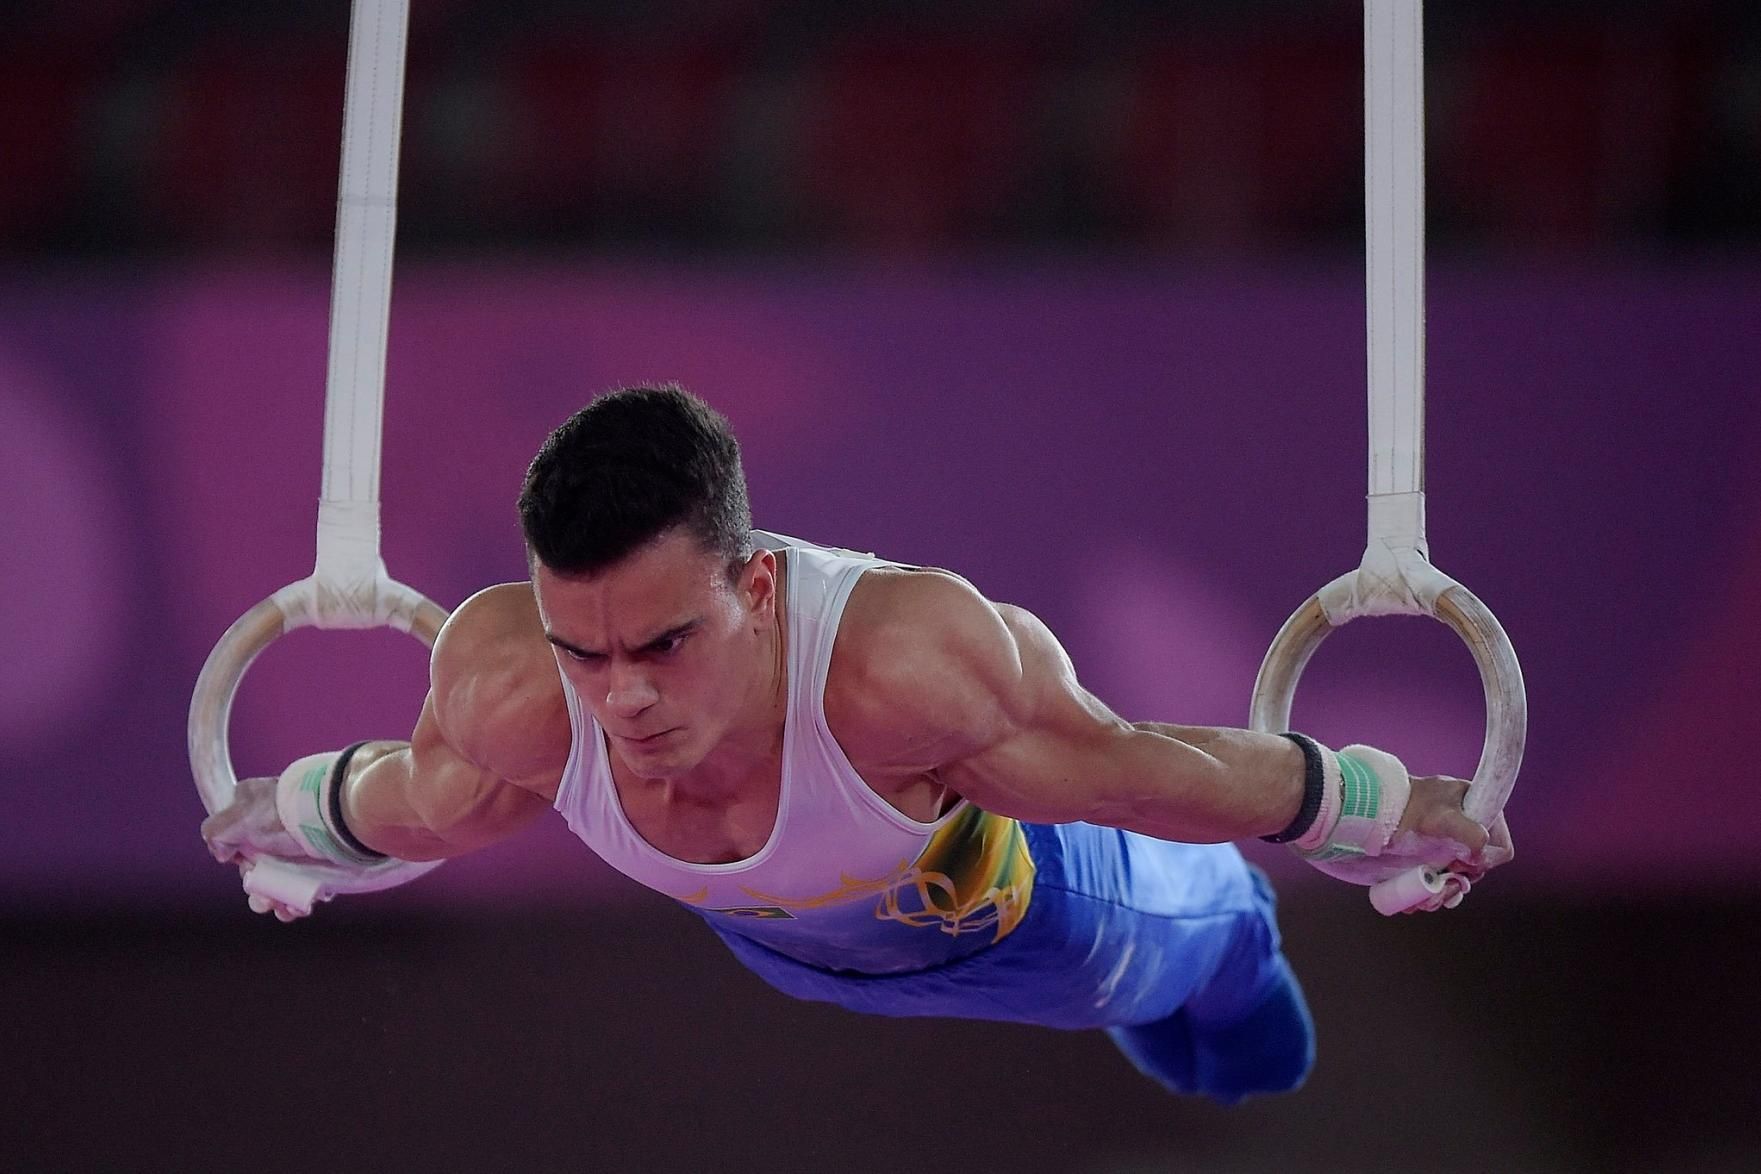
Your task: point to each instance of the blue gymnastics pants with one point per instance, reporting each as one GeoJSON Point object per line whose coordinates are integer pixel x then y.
{"type": "Point", "coordinates": [1173, 949]}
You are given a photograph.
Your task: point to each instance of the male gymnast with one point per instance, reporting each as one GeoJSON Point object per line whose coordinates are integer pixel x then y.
{"type": "Point", "coordinates": [879, 788]}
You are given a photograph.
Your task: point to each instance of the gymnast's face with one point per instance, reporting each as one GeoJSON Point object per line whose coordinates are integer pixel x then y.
{"type": "Point", "coordinates": [669, 652]}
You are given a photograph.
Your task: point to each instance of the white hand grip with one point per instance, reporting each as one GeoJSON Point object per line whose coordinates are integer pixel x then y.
{"type": "Point", "coordinates": [284, 883]}
{"type": "Point", "coordinates": [1419, 888]}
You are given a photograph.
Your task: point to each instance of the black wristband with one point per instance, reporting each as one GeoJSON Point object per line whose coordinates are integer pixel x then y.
{"type": "Point", "coordinates": [1314, 779]}
{"type": "Point", "coordinates": [333, 806]}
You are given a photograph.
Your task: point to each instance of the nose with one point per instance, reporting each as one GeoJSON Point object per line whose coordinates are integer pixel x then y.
{"type": "Point", "coordinates": [629, 691]}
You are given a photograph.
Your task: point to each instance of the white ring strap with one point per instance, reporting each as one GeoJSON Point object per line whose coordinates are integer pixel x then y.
{"type": "Point", "coordinates": [348, 570]}
{"type": "Point", "coordinates": [1396, 576]}
{"type": "Point", "coordinates": [1394, 228]}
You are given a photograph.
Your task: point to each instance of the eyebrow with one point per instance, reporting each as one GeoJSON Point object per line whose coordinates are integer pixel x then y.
{"type": "Point", "coordinates": [671, 633]}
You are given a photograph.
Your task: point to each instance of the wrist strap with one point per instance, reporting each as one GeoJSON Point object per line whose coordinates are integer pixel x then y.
{"type": "Point", "coordinates": [308, 799]}
{"type": "Point", "coordinates": [1314, 787]}
{"type": "Point", "coordinates": [333, 805]}
{"type": "Point", "coordinates": [1368, 792]}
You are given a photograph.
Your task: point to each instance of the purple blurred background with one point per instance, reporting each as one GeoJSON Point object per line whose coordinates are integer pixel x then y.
{"type": "Point", "coordinates": [1161, 461]}
{"type": "Point", "coordinates": [1068, 298]}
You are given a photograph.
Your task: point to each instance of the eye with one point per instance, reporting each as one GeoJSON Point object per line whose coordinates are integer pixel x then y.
{"type": "Point", "coordinates": [579, 657]}
{"type": "Point", "coordinates": [667, 645]}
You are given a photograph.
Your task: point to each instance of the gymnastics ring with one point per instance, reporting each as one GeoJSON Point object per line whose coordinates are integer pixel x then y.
{"type": "Point", "coordinates": [305, 603]}
{"type": "Point", "coordinates": [1361, 592]}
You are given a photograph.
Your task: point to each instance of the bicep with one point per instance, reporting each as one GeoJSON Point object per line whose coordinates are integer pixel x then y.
{"type": "Point", "coordinates": [491, 740]}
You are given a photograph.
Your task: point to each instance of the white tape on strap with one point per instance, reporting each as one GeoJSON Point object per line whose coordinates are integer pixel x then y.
{"type": "Point", "coordinates": [1394, 227]}
{"type": "Point", "coordinates": [1391, 581]}
{"type": "Point", "coordinates": [360, 305]}
{"type": "Point", "coordinates": [1395, 577]}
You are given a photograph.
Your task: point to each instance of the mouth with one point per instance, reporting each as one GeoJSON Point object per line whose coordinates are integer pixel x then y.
{"type": "Point", "coordinates": [649, 740]}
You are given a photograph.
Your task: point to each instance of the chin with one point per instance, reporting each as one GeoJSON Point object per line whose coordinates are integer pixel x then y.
{"type": "Point", "coordinates": [667, 763]}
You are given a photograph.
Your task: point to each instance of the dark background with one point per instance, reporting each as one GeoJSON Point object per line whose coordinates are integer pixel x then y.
{"type": "Point", "coordinates": [1067, 297]}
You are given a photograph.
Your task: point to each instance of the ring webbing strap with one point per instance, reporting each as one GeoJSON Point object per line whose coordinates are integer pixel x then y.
{"type": "Point", "coordinates": [366, 221]}
{"type": "Point", "coordinates": [1394, 214]}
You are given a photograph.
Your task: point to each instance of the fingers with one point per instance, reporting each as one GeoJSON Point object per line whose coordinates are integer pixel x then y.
{"type": "Point", "coordinates": [1488, 846]}
{"type": "Point", "coordinates": [283, 913]}
{"type": "Point", "coordinates": [249, 825]}
{"type": "Point", "coordinates": [1494, 847]}
{"type": "Point", "coordinates": [217, 833]}
{"type": "Point", "coordinates": [1496, 850]}
{"type": "Point", "coordinates": [1499, 847]}
{"type": "Point", "coordinates": [1437, 814]}
{"type": "Point", "coordinates": [261, 904]}
{"type": "Point", "coordinates": [1468, 834]}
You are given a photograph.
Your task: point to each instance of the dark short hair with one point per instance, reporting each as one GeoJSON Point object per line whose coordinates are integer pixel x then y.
{"type": "Point", "coordinates": [628, 468]}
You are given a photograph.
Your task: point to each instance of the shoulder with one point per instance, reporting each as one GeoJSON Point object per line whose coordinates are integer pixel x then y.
{"type": "Point", "coordinates": [495, 635]}
{"type": "Point", "coordinates": [494, 688]}
{"type": "Point", "coordinates": [925, 668]}
{"type": "Point", "coordinates": [496, 623]}
{"type": "Point", "coordinates": [898, 615]}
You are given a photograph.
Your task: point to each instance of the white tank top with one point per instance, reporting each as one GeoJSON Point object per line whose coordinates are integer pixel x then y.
{"type": "Point", "coordinates": [846, 881]}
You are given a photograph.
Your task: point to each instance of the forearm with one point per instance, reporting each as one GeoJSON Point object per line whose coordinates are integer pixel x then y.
{"type": "Point", "coordinates": [422, 802]}
{"type": "Point", "coordinates": [377, 806]}
{"type": "Point", "coordinates": [1200, 783]}
{"type": "Point", "coordinates": [1189, 784]}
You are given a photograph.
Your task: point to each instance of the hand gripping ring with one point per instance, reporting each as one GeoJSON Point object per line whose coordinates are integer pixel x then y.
{"type": "Point", "coordinates": [298, 605]}
{"type": "Point", "coordinates": [1347, 598]}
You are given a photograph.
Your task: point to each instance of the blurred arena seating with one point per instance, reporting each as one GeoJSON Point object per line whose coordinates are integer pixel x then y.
{"type": "Point", "coordinates": [160, 127]}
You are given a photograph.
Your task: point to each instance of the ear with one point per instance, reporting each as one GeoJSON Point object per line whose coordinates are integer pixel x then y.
{"type": "Point", "coordinates": [757, 584]}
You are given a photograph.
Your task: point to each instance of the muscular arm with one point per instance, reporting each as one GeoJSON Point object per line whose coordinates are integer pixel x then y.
{"type": "Point", "coordinates": [488, 749]}
{"type": "Point", "coordinates": [983, 696]}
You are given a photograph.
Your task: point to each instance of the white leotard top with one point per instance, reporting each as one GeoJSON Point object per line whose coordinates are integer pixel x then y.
{"type": "Point", "coordinates": [845, 881]}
